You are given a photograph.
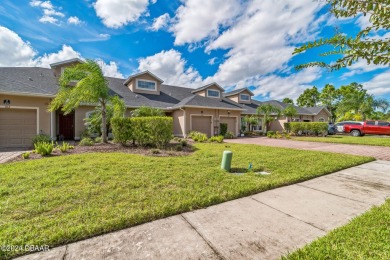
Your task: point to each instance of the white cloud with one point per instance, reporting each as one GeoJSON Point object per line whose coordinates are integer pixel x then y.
{"type": "Point", "coordinates": [50, 14]}
{"type": "Point", "coordinates": [364, 21]}
{"type": "Point", "coordinates": [379, 84]}
{"type": "Point", "coordinates": [74, 20]}
{"type": "Point", "coordinates": [66, 53]}
{"type": "Point", "coordinates": [110, 69]}
{"type": "Point", "coordinates": [171, 67]}
{"type": "Point", "coordinates": [13, 50]}
{"type": "Point", "coordinates": [198, 19]}
{"type": "Point", "coordinates": [160, 22]}
{"type": "Point", "coordinates": [212, 61]}
{"type": "Point", "coordinates": [261, 41]}
{"type": "Point", "coordinates": [118, 13]}
{"type": "Point", "coordinates": [361, 67]}
{"type": "Point", "coordinates": [278, 87]}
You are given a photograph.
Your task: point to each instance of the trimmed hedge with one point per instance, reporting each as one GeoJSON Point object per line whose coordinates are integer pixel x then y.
{"type": "Point", "coordinates": [311, 128]}
{"type": "Point", "coordinates": [145, 131]}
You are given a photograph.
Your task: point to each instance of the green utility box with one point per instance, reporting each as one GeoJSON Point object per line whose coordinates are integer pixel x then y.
{"type": "Point", "coordinates": [227, 160]}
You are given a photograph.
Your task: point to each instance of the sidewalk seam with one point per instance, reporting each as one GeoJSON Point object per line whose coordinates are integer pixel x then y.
{"type": "Point", "coordinates": [65, 253]}
{"type": "Point", "coordinates": [299, 184]}
{"type": "Point", "coordinates": [291, 216]}
{"type": "Point", "coordinates": [217, 253]}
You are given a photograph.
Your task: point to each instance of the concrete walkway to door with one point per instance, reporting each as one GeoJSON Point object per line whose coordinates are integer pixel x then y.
{"type": "Point", "coordinates": [379, 152]}
{"type": "Point", "coordinates": [9, 154]}
{"type": "Point", "coordinates": [263, 226]}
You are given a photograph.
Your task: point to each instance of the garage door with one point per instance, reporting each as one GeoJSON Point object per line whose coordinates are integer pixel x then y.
{"type": "Point", "coordinates": [201, 124]}
{"type": "Point", "coordinates": [17, 127]}
{"type": "Point", "coordinates": [231, 122]}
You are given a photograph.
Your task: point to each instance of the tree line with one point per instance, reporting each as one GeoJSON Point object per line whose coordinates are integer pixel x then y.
{"type": "Point", "coordinates": [349, 102]}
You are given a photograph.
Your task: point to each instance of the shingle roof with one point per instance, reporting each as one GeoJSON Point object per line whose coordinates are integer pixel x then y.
{"type": "Point", "coordinates": [237, 91]}
{"type": "Point", "coordinates": [32, 81]}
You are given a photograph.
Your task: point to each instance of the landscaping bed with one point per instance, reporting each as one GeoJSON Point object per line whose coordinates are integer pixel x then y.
{"type": "Point", "coordinates": [365, 237]}
{"type": "Point", "coordinates": [173, 149]}
{"type": "Point", "coordinates": [344, 139]}
{"type": "Point", "coordinates": [62, 199]}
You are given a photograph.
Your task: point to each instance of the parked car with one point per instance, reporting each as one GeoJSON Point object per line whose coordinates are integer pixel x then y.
{"type": "Point", "coordinates": [368, 127]}
{"type": "Point", "coordinates": [332, 129]}
{"type": "Point", "coordinates": [340, 125]}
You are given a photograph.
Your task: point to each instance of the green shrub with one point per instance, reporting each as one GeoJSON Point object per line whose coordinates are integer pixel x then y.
{"type": "Point", "coordinates": [155, 131]}
{"type": "Point", "coordinates": [86, 142]}
{"type": "Point", "coordinates": [183, 142]}
{"type": "Point", "coordinates": [223, 129]}
{"type": "Point", "coordinates": [310, 128]}
{"type": "Point", "coordinates": [179, 148]}
{"type": "Point", "coordinates": [44, 148]}
{"type": "Point", "coordinates": [41, 138]}
{"type": "Point", "coordinates": [287, 126]}
{"type": "Point", "coordinates": [271, 134]}
{"type": "Point", "coordinates": [229, 135]}
{"type": "Point", "coordinates": [122, 130]}
{"type": "Point", "coordinates": [64, 147]}
{"type": "Point", "coordinates": [197, 136]}
{"type": "Point", "coordinates": [216, 138]}
{"type": "Point", "coordinates": [98, 139]}
{"type": "Point", "coordinates": [278, 135]}
{"type": "Point", "coordinates": [26, 155]}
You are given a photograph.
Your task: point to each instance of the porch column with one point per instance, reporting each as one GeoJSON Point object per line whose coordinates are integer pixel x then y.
{"type": "Point", "coordinates": [53, 125]}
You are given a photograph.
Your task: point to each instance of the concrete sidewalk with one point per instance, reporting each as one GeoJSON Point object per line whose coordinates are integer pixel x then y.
{"type": "Point", "coordinates": [263, 226]}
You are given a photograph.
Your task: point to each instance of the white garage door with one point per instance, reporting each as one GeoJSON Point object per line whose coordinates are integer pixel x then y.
{"type": "Point", "coordinates": [17, 127]}
{"type": "Point", "coordinates": [201, 124]}
{"type": "Point", "coordinates": [231, 122]}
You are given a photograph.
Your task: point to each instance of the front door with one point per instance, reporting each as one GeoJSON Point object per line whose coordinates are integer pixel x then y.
{"type": "Point", "coordinates": [66, 126]}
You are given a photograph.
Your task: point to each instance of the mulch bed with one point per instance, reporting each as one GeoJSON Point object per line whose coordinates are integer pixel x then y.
{"type": "Point", "coordinates": [171, 150]}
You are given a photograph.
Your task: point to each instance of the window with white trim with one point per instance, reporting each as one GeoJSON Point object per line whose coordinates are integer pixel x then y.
{"type": "Point", "coordinates": [321, 119]}
{"type": "Point", "coordinates": [146, 84]}
{"type": "Point", "coordinates": [213, 93]}
{"type": "Point", "coordinates": [245, 97]}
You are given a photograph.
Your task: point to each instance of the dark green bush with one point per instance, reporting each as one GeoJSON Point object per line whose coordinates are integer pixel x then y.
{"type": "Point", "coordinates": [309, 128]}
{"type": "Point", "coordinates": [271, 134]}
{"type": "Point", "coordinates": [86, 142]}
{"type": "Point", "coordinates": [41, 138]}
{"type": "Point", "coordinates": [121, 129]}
{"type": "Point", "coordinates": [287, 126]}
{"type": "Point", "coordinates": [223, 129]}
{"type": "Point", "coordinates": [154, 131]}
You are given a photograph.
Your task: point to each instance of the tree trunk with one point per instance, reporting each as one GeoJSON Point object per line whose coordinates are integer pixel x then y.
{"type": "Point", "coordinates": [265, 124]}
{"type": "Point", "coordinates": [104, 121]}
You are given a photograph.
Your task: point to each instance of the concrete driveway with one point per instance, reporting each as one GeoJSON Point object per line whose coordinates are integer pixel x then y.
{"type": "Point", "coordinates": [379, 152]}
{"type": "Point", "coordinates": [263, 226]}
{"type": "Point", "coordinates": [9, 154]}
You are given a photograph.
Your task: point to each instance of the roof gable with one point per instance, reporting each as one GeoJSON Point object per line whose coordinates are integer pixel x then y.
{"type": "Point", "coordinates": [130, 78]}
{"type": "Point", "coordinates": [207, 86]}
{"type": "Point", "coordinates": [238, 91]}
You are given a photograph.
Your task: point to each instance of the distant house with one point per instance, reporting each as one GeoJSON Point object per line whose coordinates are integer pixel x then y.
{"type": "Point", "coordinates": [25, 94]}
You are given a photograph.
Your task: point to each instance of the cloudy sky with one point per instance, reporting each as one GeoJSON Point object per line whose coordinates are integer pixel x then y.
{"type": "Point", "coordinates": [187, 43]}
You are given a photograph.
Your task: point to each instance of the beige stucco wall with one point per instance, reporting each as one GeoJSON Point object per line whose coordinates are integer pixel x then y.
{"type": "Point", "coordinates": [79, 116]}
{"type": "Point", "coordinates": [215, 113]}
{"type": "Point", "coordinates": [236, 98]}
{"type": "Point", "coordinates": [322, 114]}
{"type": "Point", "coordinates": [58, 69]}
{"type": "Point", "coordinates": [34, 102]}
{"type": "Point", "coordinates": [132, 85]}
{"type": "Point", "coordinates": [178, 123]}
{"type": "Point", "coordinates": [277, 125]}
{"type": "Point", "coordinates": [203, 92]}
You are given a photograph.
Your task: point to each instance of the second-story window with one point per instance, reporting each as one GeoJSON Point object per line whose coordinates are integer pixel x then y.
{"type": "Point", "coordinates": [146, 85]}
{"type": "Point", "coordinates": [244, 97]}
{"type": "Point", "coordinates": [213, 93]}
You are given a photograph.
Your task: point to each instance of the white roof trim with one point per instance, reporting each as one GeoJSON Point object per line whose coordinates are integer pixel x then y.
{"type": "Point", "coordinates": [142, 73]}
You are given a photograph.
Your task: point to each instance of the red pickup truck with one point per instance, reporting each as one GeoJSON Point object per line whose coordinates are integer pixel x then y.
{"type": "Point", "coordinates": [369, 127]}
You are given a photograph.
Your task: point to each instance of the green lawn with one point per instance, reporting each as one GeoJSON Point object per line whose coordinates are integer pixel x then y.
{"type": "Point", "coordinates": [365, 237]}
{"type": "Point", "coordinates": [344, 139]}
{"type": "Point", "coordinates": [63, 199]}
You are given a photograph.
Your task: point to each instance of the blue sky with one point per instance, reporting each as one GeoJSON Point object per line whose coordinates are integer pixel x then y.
{"type": "Point", "coordinates": [187, 43]}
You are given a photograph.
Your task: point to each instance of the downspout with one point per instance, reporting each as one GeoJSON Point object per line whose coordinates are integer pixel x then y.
{"type": "Point", "coordinates": [185, 123]}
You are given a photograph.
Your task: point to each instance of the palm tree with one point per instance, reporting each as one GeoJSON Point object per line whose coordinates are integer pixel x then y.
{"type": "Point", "coordinates": [290, 111]}
{"type": "Point", "coordinates": [90, 87]}
{"type": "Point", "coordinates": [269, 112]}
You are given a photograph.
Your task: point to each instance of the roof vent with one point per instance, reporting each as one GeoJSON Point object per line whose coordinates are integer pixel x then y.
{"type": "Point", "coordinates": [29, 78]}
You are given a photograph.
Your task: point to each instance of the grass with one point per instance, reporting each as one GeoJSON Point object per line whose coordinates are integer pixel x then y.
{"type": "Point", "coordinates": [365, 237]}
{"type": "Point", "coordinates": [343, 139]}
{"type": "Point", "coordinates": [58, 200]}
